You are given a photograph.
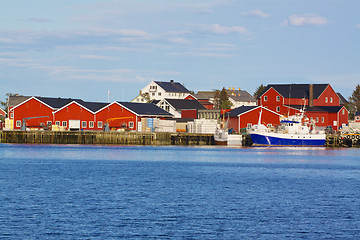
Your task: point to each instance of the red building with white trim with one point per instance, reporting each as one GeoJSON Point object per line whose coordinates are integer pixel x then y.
{"type": "Point", "coordinates": [322, 103]}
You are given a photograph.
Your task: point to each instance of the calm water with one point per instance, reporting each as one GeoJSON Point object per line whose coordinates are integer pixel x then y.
{"type": "Point", "coordinates": [111, 192]}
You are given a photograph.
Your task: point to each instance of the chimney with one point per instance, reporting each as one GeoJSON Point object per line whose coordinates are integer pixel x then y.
{"type": "Point", "coordinates": [311, 95]}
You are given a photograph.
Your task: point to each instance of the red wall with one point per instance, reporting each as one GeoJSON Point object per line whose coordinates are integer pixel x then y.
{"type": "Point", "coordinates": [189, 113]}
{"type": "Point", "coordinates": [328, 93]}
{"type": "Point", "coordinates": [253, 118]}
{"type": "Point", "coordinates": [32, 108]}
{"type": "Point", "coordinates": [74, 111]}
{"type": "Point", "coordinates": [115, 111]}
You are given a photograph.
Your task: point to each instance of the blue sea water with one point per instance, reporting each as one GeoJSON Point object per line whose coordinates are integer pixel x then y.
{"type": "Point", "coordinates": [146, 192]}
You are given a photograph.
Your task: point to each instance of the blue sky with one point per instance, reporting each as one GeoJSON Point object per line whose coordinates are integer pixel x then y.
{"type": "Point", "coordinates": [83, 48]}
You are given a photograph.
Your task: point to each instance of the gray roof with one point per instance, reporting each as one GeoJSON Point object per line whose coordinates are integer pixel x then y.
{"type": "Point", "coordinates": [241, 96]}
{"type": "Point", "coordinates": [16, 100]}
{"type": "Point", "coordinates": [172, 87]}
{"type": "Point", "coordinates": [146, 109]}
{"type": "Point", "coordinates": [296, 90]}
{"type": "Point", "coordinates": [57, 103]}
{"type": "Point", "coordinates": [180, 104]}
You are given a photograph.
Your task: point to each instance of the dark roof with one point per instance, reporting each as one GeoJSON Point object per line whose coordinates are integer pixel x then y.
{"type": "Point", "coordinates": [154, 101]}
{"type": "Point", "coordinates": [179, 104]}
{"type": "Point", "coordinates": [58, 102]}
{"type": "Point", "coordinates": [172, 87]}
{"type": "Point", "coordinates": [343, 100]}
{"type": "Point", "coordinates": [147, 109]}
{"type": "Point", "coordinates": [296, 90]}
{"type": "Point", "coordinates": [93, 106]}
{"type": "Point", "coordinates": [237, 111]}
{"type": "Point", "coordinates": [357, 114]}
{"type": "Point", "coordinates": [328, 109]}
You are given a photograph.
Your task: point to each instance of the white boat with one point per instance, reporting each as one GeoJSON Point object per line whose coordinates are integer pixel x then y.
{"type": "Point", "coordinates": [293, 131]}
{"type": "Point", "coordinates": [222, 137]}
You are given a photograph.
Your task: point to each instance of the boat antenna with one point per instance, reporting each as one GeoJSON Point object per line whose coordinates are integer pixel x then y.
{"type": "Point", "coordinates": [289, 101]}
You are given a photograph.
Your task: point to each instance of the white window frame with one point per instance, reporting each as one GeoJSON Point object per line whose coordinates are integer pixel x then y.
{"type": "Point", "coordinates": [57, 123]}
{"type": "Point", "coordinates": [322, 119]}
{"type": "Point", "coordinates": [100, 124]}
{"type": "Point", "coordinates": [18, 123]}
{"type": "Point", "coordinates": [278, 98]}
{"type": "Point", "coordinates": [48, 122]}
{"type": "Point", "coordinates": [131, 124]}
{"type": "Point", "coordinates": [331, 99]}
{"type": "Point", "coordinates": [277, 109]}
{"type": "Point", "coordinates": [265, 98]}
{"type": "Point", "coordinates": [326, 99]}
{"type": "Point", "coordinates": [317, 119]}
{"type": "Point", "coordinates": [64, 123]}
{"type": "Point", "coordinates": [249, 126]}
{"type": "Point", "coordinates": [83, 124]}
{"type": "Point", "coordinates": [12, 115]}
{"type": "Point", "coordinates": [91, 124]}
{"type": "Point", "coordinates": [343, 111]}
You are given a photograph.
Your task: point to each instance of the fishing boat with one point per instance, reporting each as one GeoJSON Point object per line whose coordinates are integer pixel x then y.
{"type": "Point", "coordinates": [293, 131]}
{"type": "Point", "coordinates": [224, 136]}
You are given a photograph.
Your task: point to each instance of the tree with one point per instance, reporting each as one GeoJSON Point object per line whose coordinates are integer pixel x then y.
{"type": "Point", "coordinates": [216, 99]}
{"type": "Point", "coordinates": [354, 100]}
{"type": "Point", "coordinates": [259, 91]}
{"type": "Point", "coordinates": [5, 103]}
{"type": "Point", "coordinates": [224, 100]}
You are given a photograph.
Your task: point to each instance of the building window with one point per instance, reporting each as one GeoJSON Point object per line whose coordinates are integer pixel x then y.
{"type": "Point", "coordinates": [278, 98]}
{"type": "Point", "coordinates": [159, 93]}
{"type": "Point", "coordinates": [131, 124]}
{"type": "Point", "coordinates": [57, 123]}
{"type": "Point", "coordinates": [153, 94]}
{"type": "Point", "coordinates": [265, 98]}
{"type": "Point", "coordinates": [331, 100]}
{"type": "Point", "coordinates": [326, 99]}
{"type": "Point", "coordinates": [343, 112]}
{"type": "Point", "coordinates": [12, 115]}
{"type": "Point", "coordinates": [18, 123]}
{"type": "Point", "coordinates": [64, 123]}
{"type": "Point", "coordinates": [100, 124]}
{"type": "Point", "coordinates": [91, 124]}
{"type": "Point", "coordinates": [278, 109]}
{"type": "Point", "coordinates": [269, 125]}
{"type": "Point", "coordinates": [322, 119]}
{"type": "Point", "coordinates": [317, 119]}
{"type": "Point", "coordinates": [83, 124]}
{"type": "Point", "coordinates": [249, 125]}
{"type": "Point", "coordinates": [49, 123]}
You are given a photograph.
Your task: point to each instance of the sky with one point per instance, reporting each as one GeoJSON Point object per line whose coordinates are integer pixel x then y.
{"type": "Point", "coordinates": [86, 48]}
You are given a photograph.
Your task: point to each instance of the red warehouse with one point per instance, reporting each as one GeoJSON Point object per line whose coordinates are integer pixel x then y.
{"type": "Point", "coordinates": [247, 116]}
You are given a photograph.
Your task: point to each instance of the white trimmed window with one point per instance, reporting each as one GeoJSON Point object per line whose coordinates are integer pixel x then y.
{"type": "Point", "coordinates": [99, 124]}
{"type": "Point", "coordinates": [331, 100]}
{"type": "Point", "coordinates": [49, 123]}
{"type": "Point", "coordinates": [317, 119]}
{"type": "Point", "coordinates": [18, 123]}
{"type": "Point", "coordinates": [322, 119]}
{"type": "Point", "coordinates": [269, 125]}
{"type": "Point", "coordinates": [326, 99]}
{"type": "Point", "coordinates": [343, 112]}
{"type": "Point", "coordinates": [278, 109]}
{"type": "Point", "coordinates": [265, 98]}
{"type": "Point", "coordinates": [131, 124]}
{"type": "Point", "coordinates": [278, 98]}
{"type": "Point", "coordinates": [249, 125]}
{"type": "Point", "coordinates": [83, 124]}
{"type": "Point", "coordinates": [12, 115]}
{"type": "Point", "coordinates": [91, 124]}
{"type": "Point", "coordinates": [57, 123]}
{"type": "Point", "coordinates": [64, 123]}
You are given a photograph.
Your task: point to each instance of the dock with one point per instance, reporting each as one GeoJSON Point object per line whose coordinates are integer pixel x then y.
{"type": "Point", "coordinates": [99, 137]}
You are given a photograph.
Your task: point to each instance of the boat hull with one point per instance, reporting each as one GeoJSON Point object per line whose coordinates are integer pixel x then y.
{"type": "Point", "coordinates": [268, 139]}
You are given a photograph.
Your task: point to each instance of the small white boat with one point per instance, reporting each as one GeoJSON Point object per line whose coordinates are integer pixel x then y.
{"type": "Point", "coordinates": [222, 137]}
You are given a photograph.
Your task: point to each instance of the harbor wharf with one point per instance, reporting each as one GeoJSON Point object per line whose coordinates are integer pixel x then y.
{"type": "Point", "coordinates": [111, 138]}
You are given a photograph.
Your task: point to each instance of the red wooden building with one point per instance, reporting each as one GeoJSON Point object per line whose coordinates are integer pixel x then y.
{"type": "Point", "coordinates": [322, 103]}
{"type": "Point", "coordinates": [247, 116]}
{"type": "Point", "coordinates": [76, 114]}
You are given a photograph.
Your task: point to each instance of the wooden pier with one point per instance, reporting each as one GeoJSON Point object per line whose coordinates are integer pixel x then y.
{"type": "Point", "coordinates": [115, 138]}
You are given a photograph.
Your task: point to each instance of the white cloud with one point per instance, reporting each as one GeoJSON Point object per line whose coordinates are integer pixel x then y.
{"type": "Point", "coordinates": [224, 30]}
{"type": "Point", "coordinates": [256, 13]}
{"type": "Point", "coordinates": [305, 20]}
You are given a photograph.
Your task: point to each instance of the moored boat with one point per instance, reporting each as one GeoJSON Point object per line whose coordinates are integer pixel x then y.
{"type": "Point", "coordinates": [293, 131]}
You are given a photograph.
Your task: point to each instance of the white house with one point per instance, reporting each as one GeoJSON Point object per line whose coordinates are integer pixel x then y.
{"type": "Point", "coordinates": [157, 90]}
